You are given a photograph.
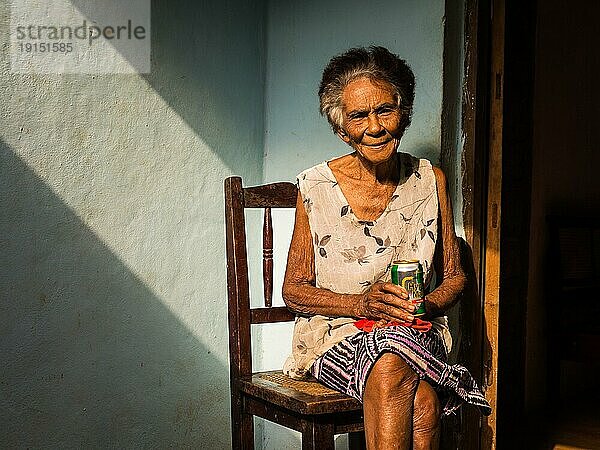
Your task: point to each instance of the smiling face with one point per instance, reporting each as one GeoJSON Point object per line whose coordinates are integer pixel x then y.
{"type": "Point", "coordinates": [372, 121]}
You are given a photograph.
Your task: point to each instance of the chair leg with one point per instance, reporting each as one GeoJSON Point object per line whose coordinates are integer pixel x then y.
{"type": "Point", "coordinates": [317, 436]}
{"type": "Point", "coordinates": [242, 425]}
{"type": "Point", "coordinates": [356, 441]}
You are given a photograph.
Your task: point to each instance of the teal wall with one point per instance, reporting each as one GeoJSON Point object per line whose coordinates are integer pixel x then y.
{"type": "Point", "coordinates": [302, 37]}
{"type": "Point", "coordinates": [112, 262]}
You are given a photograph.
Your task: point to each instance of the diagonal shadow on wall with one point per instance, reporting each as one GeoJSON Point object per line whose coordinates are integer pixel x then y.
{"type": "Point", "coordinates": [90, 356]}
{"type": "Point", "coordinates": [208, 64]}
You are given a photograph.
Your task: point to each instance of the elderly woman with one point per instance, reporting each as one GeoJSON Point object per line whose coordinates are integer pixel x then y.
{"type": "Point", "coordinates": [356, 332]}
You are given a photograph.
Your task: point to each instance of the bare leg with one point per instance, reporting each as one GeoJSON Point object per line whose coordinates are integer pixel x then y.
{"type": "Point", "coordinates": [388, 404]}
{"type": "Point", "coordinates": [426, 418]}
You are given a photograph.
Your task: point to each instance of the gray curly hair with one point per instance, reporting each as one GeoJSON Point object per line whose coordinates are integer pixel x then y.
{"type": "Point", "coordinates": [375, 63]}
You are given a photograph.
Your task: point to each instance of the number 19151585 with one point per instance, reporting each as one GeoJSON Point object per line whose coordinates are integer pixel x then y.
{"type": "Point", "coordinates": [46, 47]}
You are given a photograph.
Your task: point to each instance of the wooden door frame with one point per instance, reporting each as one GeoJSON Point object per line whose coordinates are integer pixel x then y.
{"type": "Point", "coordinates": [465, 431]}
{"type": "Point", "coordinates": [497, 125]}
{"type": "Point", "coordinates": [517, 86]}
{"type": "Point", "coordinates": [467, 29]}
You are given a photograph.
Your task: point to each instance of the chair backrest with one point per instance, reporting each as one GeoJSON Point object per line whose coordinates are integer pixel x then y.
{"type": "Point", "coordinates": [241, 316]}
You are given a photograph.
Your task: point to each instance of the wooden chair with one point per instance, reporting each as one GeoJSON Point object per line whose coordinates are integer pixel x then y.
{"type": "Point", "coordinates": [305, 406]}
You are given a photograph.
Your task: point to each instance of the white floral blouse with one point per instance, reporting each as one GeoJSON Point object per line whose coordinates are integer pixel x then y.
{"type": "Point", "coordinates": [352, 254]}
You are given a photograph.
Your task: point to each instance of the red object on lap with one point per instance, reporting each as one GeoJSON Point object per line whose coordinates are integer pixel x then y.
{"type": "Point", "coordinates": [418, 324]}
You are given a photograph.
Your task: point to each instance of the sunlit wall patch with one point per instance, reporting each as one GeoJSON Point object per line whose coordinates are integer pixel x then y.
{"type": "Point", "coordinates": [80, 36]}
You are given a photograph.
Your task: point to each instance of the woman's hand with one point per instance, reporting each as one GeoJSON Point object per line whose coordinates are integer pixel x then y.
{"type": "Point", "coordinates": [387, 301]}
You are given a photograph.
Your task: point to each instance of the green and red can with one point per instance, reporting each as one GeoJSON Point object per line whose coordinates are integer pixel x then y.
{"type": "Point", "coordinates": [409, 275]}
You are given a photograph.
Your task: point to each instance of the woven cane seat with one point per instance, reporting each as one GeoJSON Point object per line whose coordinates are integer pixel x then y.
{"type": "Point", "coordinates": [307, 397]}
{"type": "Point", "coordinates": [311, 387]}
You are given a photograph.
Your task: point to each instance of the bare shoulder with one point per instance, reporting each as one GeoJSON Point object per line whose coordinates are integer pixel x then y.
{"type": "Point", "coordinates": [440, 179]}
{"type": "Point", "coordinates": [443, 193]}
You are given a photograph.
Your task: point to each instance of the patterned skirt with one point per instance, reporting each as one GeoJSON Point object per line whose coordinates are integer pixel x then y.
{"type": "Point", "coordinates": [346, 366]}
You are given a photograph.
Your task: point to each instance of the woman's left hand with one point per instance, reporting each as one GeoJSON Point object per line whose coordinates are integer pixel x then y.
{"type": "Point", "coordinates": [387, 301]}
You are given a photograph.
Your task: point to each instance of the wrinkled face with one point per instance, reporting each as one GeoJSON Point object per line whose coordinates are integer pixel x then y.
{"type": "Point", "coordinates": [372, 122]}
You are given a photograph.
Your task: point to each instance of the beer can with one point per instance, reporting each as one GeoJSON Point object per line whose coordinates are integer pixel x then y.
{"type": "Point", "coordinates": [409, 275]}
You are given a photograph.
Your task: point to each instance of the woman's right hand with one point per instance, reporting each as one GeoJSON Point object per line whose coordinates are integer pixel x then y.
{"type": "Point", "coordinates": [387, 301]}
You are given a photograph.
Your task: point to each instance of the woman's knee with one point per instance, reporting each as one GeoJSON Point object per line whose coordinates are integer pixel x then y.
{"type": "Point", "coordinates": [427, 409]}
{"type": "Point", "coordinates": [391, 375]}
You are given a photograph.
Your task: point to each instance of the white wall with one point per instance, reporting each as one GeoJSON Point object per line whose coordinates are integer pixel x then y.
{"type": "Point", "coordinates": [113, 329]}
{"type": "Point", "coordinates": [302, 37]}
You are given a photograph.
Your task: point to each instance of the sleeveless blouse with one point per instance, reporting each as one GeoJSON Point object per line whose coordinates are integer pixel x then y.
{"type": "Point", "coordinates": [352, 254]}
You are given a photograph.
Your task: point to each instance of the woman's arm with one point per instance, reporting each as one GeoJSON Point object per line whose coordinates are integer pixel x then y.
{"type": "Point", "coordinates": [447, 255]}
{"type": "Point", "coordinates": [383, 300]}
{"type": "Point", "coordinates": [299, 291]}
